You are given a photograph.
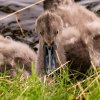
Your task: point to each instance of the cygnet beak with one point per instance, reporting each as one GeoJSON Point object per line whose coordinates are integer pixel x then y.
{"type": "Point", "coordinates": [49, 58]}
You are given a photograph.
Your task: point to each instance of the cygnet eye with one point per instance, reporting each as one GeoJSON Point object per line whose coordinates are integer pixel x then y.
{"type": "Point", "coordinates": [57, 32]}
{"type": "Point", "coordinates": [41, 33]}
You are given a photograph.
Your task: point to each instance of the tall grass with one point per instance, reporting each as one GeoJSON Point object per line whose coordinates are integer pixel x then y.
{"type": "Point", "coordinates": [60, 87]}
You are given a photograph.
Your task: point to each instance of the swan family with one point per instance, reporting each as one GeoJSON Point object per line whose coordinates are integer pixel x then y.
{"type": "Point", "coordinates": [65, 28]}
{"type": "Point", "coordinates": [74, 30]}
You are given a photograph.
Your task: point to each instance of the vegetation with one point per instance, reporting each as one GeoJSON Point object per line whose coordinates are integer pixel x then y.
{"type": "Point", "coordinates": [61, 87]}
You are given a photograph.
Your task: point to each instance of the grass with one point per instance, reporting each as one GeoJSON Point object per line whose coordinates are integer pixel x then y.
{"type": "Point", "coordinates": [61, 87]}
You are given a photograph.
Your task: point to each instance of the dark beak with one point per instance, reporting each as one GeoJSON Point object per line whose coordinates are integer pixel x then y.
{"type": "Point", "coordinates": [49, 58]}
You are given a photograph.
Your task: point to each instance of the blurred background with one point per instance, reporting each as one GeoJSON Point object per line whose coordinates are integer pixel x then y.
{"type": "Point", "coordinates": [21, 26]}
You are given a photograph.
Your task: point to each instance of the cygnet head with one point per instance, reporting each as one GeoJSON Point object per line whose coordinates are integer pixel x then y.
{"type": "Point", "coordinates": [49, 26]}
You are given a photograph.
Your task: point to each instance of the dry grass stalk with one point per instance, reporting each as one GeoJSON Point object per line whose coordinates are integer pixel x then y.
{"type": "Point", "coordinates": [1, 94]}
{"type": "Point", "coordinates": [4, 77]}
{"type": "Point", "coordinates": [19, 25]}
{"type": "Point", "coordinates": [45, 78]}
{"type": "Point", "coordinates": [6, 80]}
{"type": "Point", "coordinates": [74, 86]}
{"type": "Point", "coordinates": [58, 58]}
{"type": "Point", "coordinates": [22, 9]}
{"type": "Point", "coordinates": [87, 87]}
{"type": "Point", "coordinates": [58, 68]}
{"type": "Point", "coordinates": [81, 89]}
{"type": "Point", "coordinates": [96, 73]}
{"type": "Point", "coordinates": [59, 61]}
